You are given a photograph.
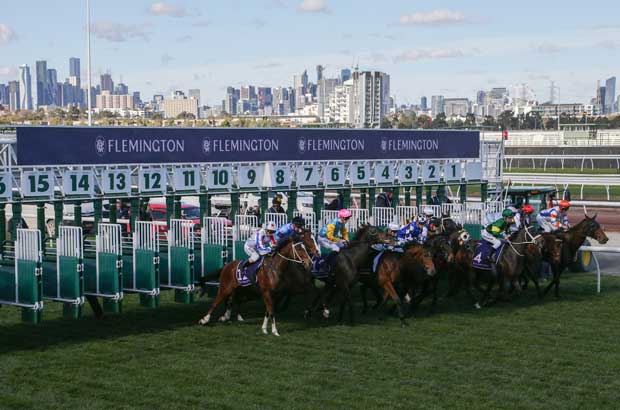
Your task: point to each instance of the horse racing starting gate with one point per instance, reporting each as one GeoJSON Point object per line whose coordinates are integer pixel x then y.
{"type": "Point", "coordinates": [107, 279]}
{"type": "Point", "coordinates": [180, 275]}
{"type": "Point", "coordinates": [67, 284]}
{"type": "Point", "coordinates": [145, 272]}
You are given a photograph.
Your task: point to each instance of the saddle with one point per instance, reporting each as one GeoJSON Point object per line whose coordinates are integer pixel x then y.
{"type": "Point", "coordinates": [247, 272]}
{"type": "Point", "coordinates": [481, 259]}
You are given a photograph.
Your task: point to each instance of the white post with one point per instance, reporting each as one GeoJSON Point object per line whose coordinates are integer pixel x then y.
{"type": "Point", "coordinates": [90, 86]}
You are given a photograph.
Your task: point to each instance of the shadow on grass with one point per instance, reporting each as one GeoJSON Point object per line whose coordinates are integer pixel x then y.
{"type": "Point", "coordinates": [137, 320]}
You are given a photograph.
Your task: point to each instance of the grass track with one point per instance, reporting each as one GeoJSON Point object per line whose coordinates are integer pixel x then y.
{"type": "Point", "coordinates": [524, 355]}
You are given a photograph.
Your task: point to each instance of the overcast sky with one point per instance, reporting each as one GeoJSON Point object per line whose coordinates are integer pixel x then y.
{"type": "Point", "coordinates": [446, 47]}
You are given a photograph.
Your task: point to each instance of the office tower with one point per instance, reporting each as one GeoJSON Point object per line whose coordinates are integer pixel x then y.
{"type": "Point", "coordinates": [456, 106]}
{"type": "Point", "coordinates": [137, 100]}
{"type": "Point", "coordinates": [121, 89]}
{"type": "Point", "coordinates": [42, 87]}
{"type": "Point", "coordinates": [319, 73]}
{"type": "Point", "coordinates": [13, 96]}
{"type": "Point", "coordinates": [326, 87]}
{"type": "Point", "coordinates": [600, 99]}
{"type": "Point", "coordinates": [371, 98]}
{"type": "Point", "coordinates": [52, 87]}
{"type": "Point", "coordinates": [25, 87]}
{"type": "Point", "coordinates": [437, 105]}
{"type": "Point", "coordinates": [345, 74]}
{"type": "Point", "coordinates": [610, 95]}
{"type": "Point", "coordinates": [195, 94]}
{"type": "Point", "coordinates": [74, 67]}
{"type": "Point", "coordinates": [106, 83]}
{"type": "Point", "coordinates": [4, 94]}
{"type": "Point", "coordinates": [481, 97]}
{"type": "Point", "coordinates": [423, 104]}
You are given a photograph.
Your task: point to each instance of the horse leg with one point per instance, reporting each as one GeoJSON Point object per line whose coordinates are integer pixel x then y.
{"type": "Point", "coordinates": [236, 304]}
{"type": "Point", "coordinates": [269, 315]}
{"type": "Point", "coordinates": [222, 294]}
{"type": "Point", "coordinates": [226, 316]}
{"type": "Point", "coordinates": [389, 288]}
{"type": "Point", "coordinates": [363, 290]}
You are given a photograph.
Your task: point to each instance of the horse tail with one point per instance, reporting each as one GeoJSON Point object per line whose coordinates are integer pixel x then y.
{"type": "Point", "coordinates": [211, 276]}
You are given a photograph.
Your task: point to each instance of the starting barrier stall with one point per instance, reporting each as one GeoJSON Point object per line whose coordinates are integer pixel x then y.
{"type": "Point", "coordinates": [107, 279]}
{"type": "Point", "coordinates": [310, 218]}
{"type": "Point", "coordinates": [67, 284]}
{"type": "Point", "coordinates": [278, 218]}
{"type": "Point", "coordinates": [454, 211]}
{"type": "Point", "coordinates": [405, 214]}
{"type": "Point", "coordinates": [145, 271]}
{"type": "Point", "coordinates": [180, 275]}
{"type": "Point", "coordinates": [382, 217]}
{"type": "Point", "coordinates": [208, 164]}
{"type": "Point", "coordinates": [245, 226]}
{"type": "Point", "coordinates": [24, 287]}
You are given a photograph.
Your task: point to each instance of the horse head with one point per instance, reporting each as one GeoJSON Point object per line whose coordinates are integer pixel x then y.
{"type": "Point", "coordinates": [594, 230]}
{"type": "Point", "coordinates": [309, 243]}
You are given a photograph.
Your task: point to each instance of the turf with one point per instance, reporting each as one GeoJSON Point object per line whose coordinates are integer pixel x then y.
{"type": "Point", "coordinates": [521, 355]}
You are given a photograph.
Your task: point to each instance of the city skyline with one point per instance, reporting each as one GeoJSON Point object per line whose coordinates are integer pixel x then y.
{"type": "Point", "coordinates": [444, 50]}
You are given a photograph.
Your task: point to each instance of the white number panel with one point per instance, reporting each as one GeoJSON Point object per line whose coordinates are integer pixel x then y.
{"type": "Point", "coordinates": [186, 179]}
{"type": "Point", "coordinates": [359, 174]}
{"type": "Point", "coordinates": [308, 175]}
{"type": "Point", "coordinates": [408, 173]}
{"type": "Point", "coordinates": [251, 176]}
{"type": "Point", "coordinates": [152, 180]}
{"type": "Point", "coordinates": [384, 173]}
{"type": "Point", "coordinates": [281, 176]}
{"type": "Point", "coordinates": [38, 183]}
{"type": "Point", "coordinates": [452, 172]}
{"type": "Point", "coordinates": [6, 186]}
{"type": "Point", "coordinates": [334, 175]}
{"type": "Point", "coordinates": [473, 171]}
{"type": "Point", "coordinates": [76, 183]}
{"type": "Point", "coordinates": [431, 172]}
{"type": "Point", "coordinates": [219, 178]}
{"type": "Point", "coordinates": [116, 182]}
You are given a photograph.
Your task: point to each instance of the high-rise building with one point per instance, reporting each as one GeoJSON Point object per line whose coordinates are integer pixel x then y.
{"type": "Point", "coordinates": [481, 97]}
{"type": "Point", "coordinates": [319, 73]}
{"type": "Point", "coordinates": [121, 89]}
{"type": "Point", "coordinates": [106, 83]}
{"type": "Point", "coordinates": [600, 99]}
{"type": "Point", "coordinates": [265, 97]}
{"type": "Point", "coordinates": [456, 106]}
{"type": "Point", "coordinates": [345, 74]}
{"type": "Point", "coordinates": [610, 95]}
{"type": "Point", "coordinates": [25, 87]}
{"type": "Point", "coordinates": [195, 94]}
{"type": "Point", "coordinates": [301, 81]}
{"type": "Point", "coordinates": [74, 67]}
{"type": "Point", "coordinates": [340, 107]}
{"type": "Point", "coordinates": [326, 87]}
{"type": "Point", "coordinates": [371, 98]}
{"type": "Point", "coordinates": [173, 107]}
{"type": "Point", "coordinates": [437, 105]}
{"type": "Point", "coordinates": [52, 87]}
{"type": "Point", "coordinates": [14, 96]}
{"type": "Point", "coordinates": [109, 101]}
{"type": "Point", "coordinates": [42, 87]}
{"type": "Point", "coordinates": [137, 100]}
{"type": "Point", "coordinates": [423, 104]}
{"type": "Point", "coordinates": [230, 101]}
{"type": "Point", "coordinates": [4, 94]}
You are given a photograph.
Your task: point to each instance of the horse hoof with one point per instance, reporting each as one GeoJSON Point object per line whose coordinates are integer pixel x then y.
{"type": "Point", "coordinates": [240, 318]}
{"type": "Point", "coordinates": [477, 306]}
{"type": "Point", "coordinates": [276, 334]}
{"type": "Point", "coordinates": [265, 332]}
{"type": "Point", "coordinates": [404, 324]}
{"type": "Point", "coordinates": [326, 313]}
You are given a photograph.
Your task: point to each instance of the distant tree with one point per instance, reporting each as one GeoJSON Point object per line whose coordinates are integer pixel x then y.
{"type": "Point", "coordinates": [386, 123]}
{"type": "Point", "coordinates": [424, 121]}
{"type": "Point", "coordinates": [470, 120]}
{"type": "Point", "coordinates": [440, 121]}
{"type": "Point", "coordinates": [489, 121]}
{"type": "Point", "coordinates": [505, 120]}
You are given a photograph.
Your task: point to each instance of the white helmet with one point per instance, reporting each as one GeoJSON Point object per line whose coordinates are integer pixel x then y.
{"type": "Point", "coordinates": [464, 236]}
{"type": "Point", "coordinates": [421, 219]}
{"type": "Point", "coordinates": [271, 226]}
{"type": "Point", "coordinates": [394, 226]}
{"type": "Point", "coordinates": [428, 212]}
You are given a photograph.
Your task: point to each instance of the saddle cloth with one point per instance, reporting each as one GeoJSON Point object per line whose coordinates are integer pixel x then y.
{"type": "Point", "coordinates": [481, 255]}
{"type": "Point", "coordinates": [323, 266]}
{"type": "Point", "coordinates": [246, 272]}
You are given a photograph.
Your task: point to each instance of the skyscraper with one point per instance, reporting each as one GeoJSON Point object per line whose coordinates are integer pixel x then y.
{"type": "Point", "coordinates": [52, 87]}
{"type": "Point", "coordinates": [437, 105]}
{"type": "Point", "coordinates": [195, 94]}
{"type": "Point", "coordinates": [423, 104]}
{"type": "Point", "coordinates": [25, 86]}
{"type": "Point", "coordinates": [371, 98]}
{"type": "Point", "coordinates": [610, 95]}
{"type": "Point", "coordinates": [121, 89]}
{"type": "Point", "coordinates": [326, 88]}
{"type": "Point", "coordinates": [106, 83]}
{"type": "Point", "coordinates": [345, 74]}
{"type": "Point", "coordinates": [42, 88]}
{"type": "Point", "coordinates": [4, 94]}
{"type": "Point", "coordinates": [481, 97]}
{"type": "Point", "coordinates": [13, 96]}
{"type": "Point", "coordinates": [600, 99]}
{"type": "Point", "coordinates": [319, 73]}
{"type": "Point", "coordinates": [74, 67]}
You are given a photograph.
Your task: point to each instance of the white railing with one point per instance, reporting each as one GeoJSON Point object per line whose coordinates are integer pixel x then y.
{"type": "Point", "coordinates": [594, 250]}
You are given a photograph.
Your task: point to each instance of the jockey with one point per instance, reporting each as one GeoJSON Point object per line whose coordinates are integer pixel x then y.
{"type": "Point", "coordinates": [334, 235]}
{"type": "Point", "coordinates": [288, 230]}
{"type": "Point", "coordinates": [554, 219]}
{"type": "Point", "coordinates": [414, 232]}
{"type": "Point", "coordinates": [261, 243]}
{"type": "Point", "coordinates": [393, 229]}
{"type": "Point", "coordinates": [526, 213]}
{"type": "Point", "coordinates": [498, 231]}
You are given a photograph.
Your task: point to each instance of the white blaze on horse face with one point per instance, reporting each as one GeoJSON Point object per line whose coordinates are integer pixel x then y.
{"type": "Point", "coordinates": [265, 323]}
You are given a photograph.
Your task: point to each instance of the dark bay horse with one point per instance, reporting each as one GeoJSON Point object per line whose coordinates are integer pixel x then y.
{"type": "Point", "coordinates": [572, 240]}
{"type": "Point", "coordinates": [270, 277]}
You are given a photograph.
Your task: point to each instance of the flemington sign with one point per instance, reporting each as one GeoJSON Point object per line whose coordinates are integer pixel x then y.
{"type": "Point", "coordinates": [50, 146]}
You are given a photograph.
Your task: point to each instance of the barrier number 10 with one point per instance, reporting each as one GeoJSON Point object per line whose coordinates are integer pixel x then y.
{"type": "Point", "coordinates": [219, 178]}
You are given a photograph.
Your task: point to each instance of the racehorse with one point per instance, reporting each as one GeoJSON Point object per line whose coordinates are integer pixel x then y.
{"type": "Point", "coordinates": [546, 248]}
{"type": "Point", "coordinates": [298, 251]}
{"type": "Point", "coordinates": [572, 240]}
{"type": "Point", "coordinates": [345, 271]}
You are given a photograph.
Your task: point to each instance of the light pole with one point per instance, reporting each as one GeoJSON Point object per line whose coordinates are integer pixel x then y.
{"type": "Point", "coordinates": [90, 85]}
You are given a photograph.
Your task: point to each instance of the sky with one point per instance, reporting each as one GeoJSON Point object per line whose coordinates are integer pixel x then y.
{"type": "Point", "coordinates": [451, 48]}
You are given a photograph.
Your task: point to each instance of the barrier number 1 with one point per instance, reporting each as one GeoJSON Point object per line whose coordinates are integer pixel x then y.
{"type": "Point", "coordinates": [453, 172]}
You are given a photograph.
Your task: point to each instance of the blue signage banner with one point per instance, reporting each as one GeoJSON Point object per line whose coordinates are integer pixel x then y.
{"type": "Point", "coordinates": [113, 146]}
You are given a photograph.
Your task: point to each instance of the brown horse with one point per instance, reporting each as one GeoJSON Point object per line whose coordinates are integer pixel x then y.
{"type": "Point", "coordinates": [269, 276]}
{"type": "Point", "coordinates": [546, 248]}
{"type": "Point", "coordinates": [411, 268]}
{"type": "Point", "coordinates": [572, 240]}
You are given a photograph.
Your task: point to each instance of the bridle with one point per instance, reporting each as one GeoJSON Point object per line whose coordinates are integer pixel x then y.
{"type": "Point", "coordinates": [297, 258]}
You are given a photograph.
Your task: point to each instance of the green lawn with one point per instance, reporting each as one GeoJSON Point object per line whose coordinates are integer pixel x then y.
{"type": "Point", "coordinates": [521, 355]}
